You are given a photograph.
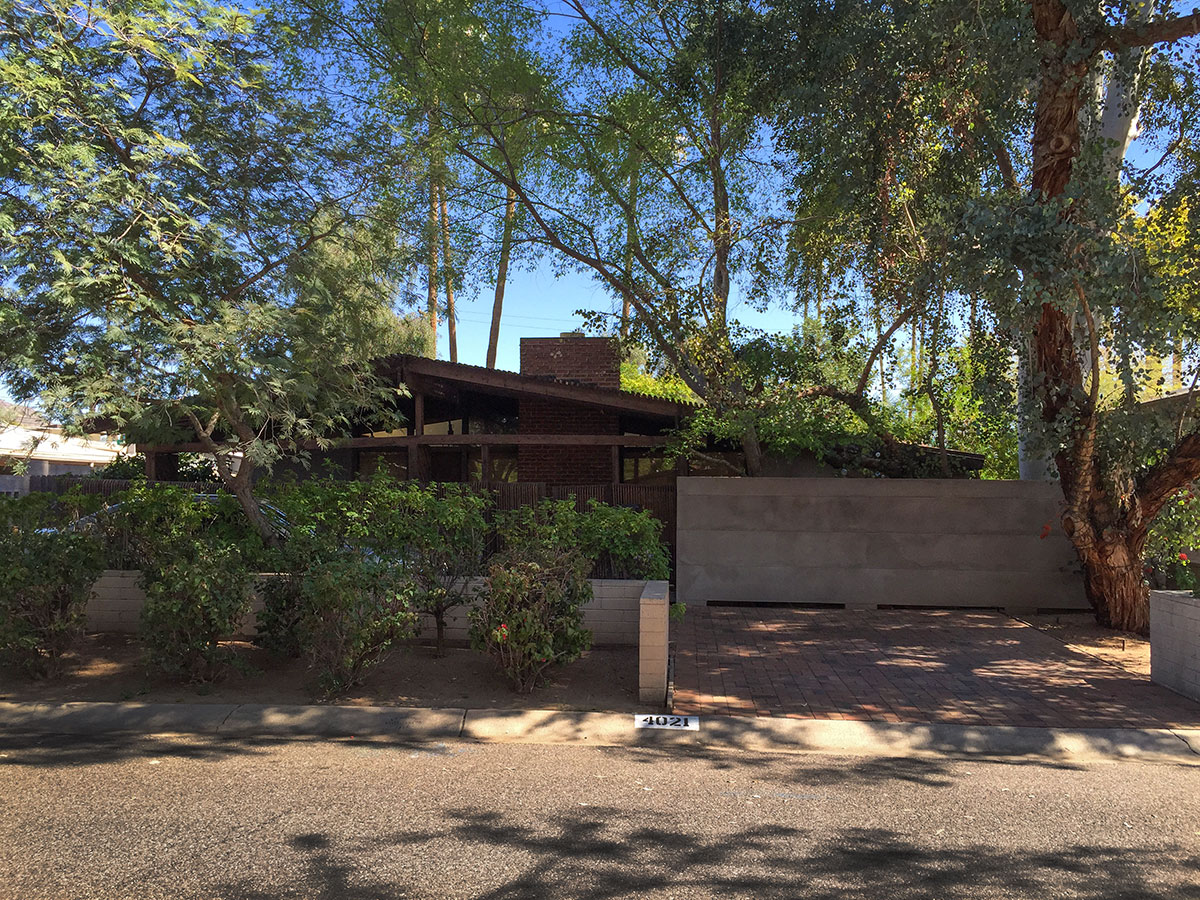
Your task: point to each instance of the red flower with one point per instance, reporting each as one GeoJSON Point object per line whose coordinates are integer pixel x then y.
{"type": "Point", "coordinates": [1183, 557]}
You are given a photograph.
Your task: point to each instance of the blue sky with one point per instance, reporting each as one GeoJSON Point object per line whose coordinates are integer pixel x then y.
{"type": "Point", "coordinates": [538, 304]}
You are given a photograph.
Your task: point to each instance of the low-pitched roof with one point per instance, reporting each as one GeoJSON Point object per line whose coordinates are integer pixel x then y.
{"type": "Point", "coordinates": [411, 369]}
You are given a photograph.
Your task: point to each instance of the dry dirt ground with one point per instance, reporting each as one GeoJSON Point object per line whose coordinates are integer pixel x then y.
{"type": "Point", "coordinates": [108, 667]}
{"type": "Point", "coordinates": [1080, 632]}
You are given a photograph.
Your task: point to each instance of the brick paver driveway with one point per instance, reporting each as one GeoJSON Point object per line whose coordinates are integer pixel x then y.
{"type": "Point", "coordinates": [905, 666]}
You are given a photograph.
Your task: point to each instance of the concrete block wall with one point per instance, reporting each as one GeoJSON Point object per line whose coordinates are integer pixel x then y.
{"type": "Point", "coordinates": [1175, 641]}
{"type": "Point", "coordinates": [653, 643]}
{"type": "Point", "coordinates": [14, 485]}
{"type": "Point", "coordinates": [613, 615]}
{"type": "Point", "coordinates": [862, 543]}
{"type": "Point", "coordinates": [116, 601]}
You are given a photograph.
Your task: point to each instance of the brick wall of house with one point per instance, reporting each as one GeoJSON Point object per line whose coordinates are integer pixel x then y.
{"type": "Point", "coordinates": [565, 465]}
{"type": "Point", "coordinates": [581, 360]}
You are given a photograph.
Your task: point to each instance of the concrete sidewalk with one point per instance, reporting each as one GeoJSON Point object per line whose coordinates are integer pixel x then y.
{"type": "Point", "coordinates": [601, 729]}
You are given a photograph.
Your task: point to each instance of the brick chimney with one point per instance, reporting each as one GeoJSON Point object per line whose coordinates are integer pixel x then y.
{"type": "Point", "coordinates": [571, 357]}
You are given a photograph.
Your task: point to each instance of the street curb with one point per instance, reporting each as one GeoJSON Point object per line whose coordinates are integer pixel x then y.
{"type": "Point", "coordinates": [543, 726]}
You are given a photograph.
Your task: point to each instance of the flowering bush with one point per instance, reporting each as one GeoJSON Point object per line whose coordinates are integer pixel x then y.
{"type": "Point", "coordinates": [529, 615]}
{"type": "Point", "coordinates": [1173, 537]}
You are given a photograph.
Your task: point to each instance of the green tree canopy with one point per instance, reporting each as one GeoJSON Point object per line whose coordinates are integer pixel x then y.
{"type": "Point", "coordinates": [190, 243]}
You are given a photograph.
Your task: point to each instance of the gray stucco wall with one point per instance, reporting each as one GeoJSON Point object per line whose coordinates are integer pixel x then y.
{"type": "Point", "coordinates": [865, 543]}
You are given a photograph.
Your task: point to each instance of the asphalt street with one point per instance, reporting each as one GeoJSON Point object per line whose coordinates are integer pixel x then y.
{"type": "Point", "coordinates": [166, 817]}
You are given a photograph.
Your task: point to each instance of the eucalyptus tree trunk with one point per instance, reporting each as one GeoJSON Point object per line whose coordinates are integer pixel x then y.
{"type": "Point", "coordinates": [1122, 103]}
{"type": "Point", "coordinates": [432, 287]}
{"type": "Point", "coordinates": [448, 271]}
{"type": "Point", "coordinates": [1033, 455]}
{"type": "Point", "coordinates": [630, 226]}
{"type": "Point", "coordinates": [510, 212]}
{"type": "Point", "coordinates": [1108, 531]}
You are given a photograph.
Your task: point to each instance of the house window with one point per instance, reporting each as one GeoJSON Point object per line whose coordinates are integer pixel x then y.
{"type": "Point", "coordinates": [502, 465]}
{"type": "Point", "coordinates": [647, 468]}
{"type": "Point", "coordinates": [387, 462]}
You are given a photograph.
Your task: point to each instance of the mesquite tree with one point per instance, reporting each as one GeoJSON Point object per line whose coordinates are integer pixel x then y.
{"type": "Point", "coordinates": [188, 245]}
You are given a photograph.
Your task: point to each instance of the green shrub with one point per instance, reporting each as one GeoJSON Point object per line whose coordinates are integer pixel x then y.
{"type": "Point", "coordinates": [340, 593]}
{"type": "Point", "coordinates": [443, 543]}
{"type": "Point", "coordinates": [626, 543]}
{"type": "Point", "coordinates": [529, 615]}
{"type": "Point", "coordinates": [620, 542]}
{"type": "Point", "coordinates": [351, 610]}
{"type": "Point", "coordinates": [194, 601]}
{"type": "Point", "coordinates": [1174, 535]}
{"type": "Point", "coordinates": [46, 577]}
{"type": "Point", "coordinates": [152, 519]}
{"type": "Point", "coordinates": [198, 558]}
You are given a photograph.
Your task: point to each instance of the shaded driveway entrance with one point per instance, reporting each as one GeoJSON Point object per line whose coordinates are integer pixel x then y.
{"type": "Point", "coordinates": [923, 666]}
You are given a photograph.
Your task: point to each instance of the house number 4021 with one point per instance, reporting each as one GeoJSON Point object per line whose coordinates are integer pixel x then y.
{"type": "Point", "coordinates": [688, 723]}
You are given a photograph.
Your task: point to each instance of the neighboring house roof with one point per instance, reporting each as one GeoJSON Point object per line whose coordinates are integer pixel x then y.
{"type": "Point", "coordinates": [24, 434]}
{"type": "Point", "coordinates": [15, 415]}
{"type": "Point", "coordinates": [411, 370]}
{"type": "Point", "coordinates": [1173, 402]}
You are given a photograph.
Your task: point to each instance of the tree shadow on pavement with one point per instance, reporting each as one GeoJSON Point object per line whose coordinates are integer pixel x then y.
{"type": "Point", "coordinates": [61, 750]}
{"type": "Point", "coordinates": [599, 853]}
{"type": "Point", "coordinates": [866, 771]}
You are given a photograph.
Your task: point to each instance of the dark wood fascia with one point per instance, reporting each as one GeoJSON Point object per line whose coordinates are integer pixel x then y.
{"type": "Point", "coordinates": [460, 440]}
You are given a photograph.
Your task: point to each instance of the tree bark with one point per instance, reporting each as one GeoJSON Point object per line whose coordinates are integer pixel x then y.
{"type": "Point", "coordinates": [240, 484]}
{"type": "Point", "coordinates": [510, 212]}
{"type": "Point", "coordinates": [439, 618]}
{"type": "Point", "coordinates": [1113, 581]}
{"type": "Point", "coordinates": [243, 490]}
{"type": "Point", "coordinates": [630, 227]}
{"type": "Point", "coordinates": [1033, 456]}
{"type": "Point", "coordinates": [753, 452]}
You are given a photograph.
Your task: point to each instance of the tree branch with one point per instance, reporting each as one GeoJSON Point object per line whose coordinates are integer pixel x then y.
{"type": "Point", "coordinates": [1164, 31]}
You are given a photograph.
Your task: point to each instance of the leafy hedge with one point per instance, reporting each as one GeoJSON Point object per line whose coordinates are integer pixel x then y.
{"type": "Point", "coordinates": [362, 561]}
{"type": "Point", "coordinates": [529, 616]}
{"type": "Point", "coordinates": [341, 594]}
{"type": "Point", "coordinates": [46, 575]}
{"type": "Point", "coordinates": [198, 564]}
